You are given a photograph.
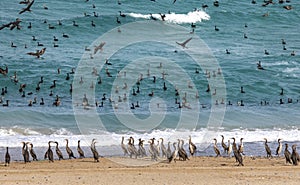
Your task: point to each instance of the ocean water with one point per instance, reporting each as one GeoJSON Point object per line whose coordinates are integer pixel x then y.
{"type": "Point", "coordinates": [151, 50]}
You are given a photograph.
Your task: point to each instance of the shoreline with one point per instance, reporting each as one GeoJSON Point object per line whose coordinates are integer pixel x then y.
{"type": "Point", "coordinates": [197, 170]}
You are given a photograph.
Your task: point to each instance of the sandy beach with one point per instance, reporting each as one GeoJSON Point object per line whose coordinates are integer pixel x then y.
{"type": "Point", "coordinates": [198, 170]}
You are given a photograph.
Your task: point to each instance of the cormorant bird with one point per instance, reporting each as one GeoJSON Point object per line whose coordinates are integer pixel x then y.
{"type": "Point", "coordinates": [25, 152]}
{"type": "Point", "coordinates": [141, 150]}
{"type": "Point", "coordinates": [192, 146]}
{"type": "Point", "coordinates": [79, 150]}
{"type": "Point", "coordinates": [94, 151]}
{"type": "Point", "coordinates": [181, 152]}
{"type": "Point", "coordinates": [183, 44]}
{"type": "Point", "coordinates": [69, 151]}
{"type": "Point", "coordinates": [225, 147]}
{"type": "Point", "coordinates": [27, 8]}
{"type": "Point", "coordinates": [4, 71]}
{"type": "Point", "coordinates": [174, 154]}
{"type": "Point", "coordinates": [279, 148]}
{"type": "Point", "coordinates": [32, 153]}
{"type": "Point", "coordinates": [163, 148]}
{"type": "Point", "coordinates": [7, 157]}
{"type": "Point", "coordinates": [241, 147]}
{"type": "Point", "coordinates": [237, 154]}
{"type": "Point", "coordinates": [217, 151]}
{"type": "Point", "coordinates": [287, 154]}
{"type": "Point", "coordinates": [49, 152]}
{"type": "Point", "coordinates": [295, 156]}
{"type": "Point", "coordinates": [269, 154]}
{"type": "Point", "coordinates": [58, 152]}
{"type": "Point", "coordinates": [123, 146]}
{"type": "Point", "coordinates": [38, 53]}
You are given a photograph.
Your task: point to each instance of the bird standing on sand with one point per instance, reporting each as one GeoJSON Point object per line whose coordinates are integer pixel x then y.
{"type": "Point", "coordinates": [173, 154]}
{"type": "Point", "coordinates": [69, 151]}
{"type": "Point", "coordinates": [268, 150]}
{"type": "Point", "coordinates": [94, 151]}
{"type": "Point", "coordinates": [287, 154]}
{"type": "Point", "coordinates": [49, 152]}
{"type": "Point", "coordinates": [79, 150]}
{"type": "Point", "coordinates": [225, 147]}
{"type": "Point", "coordinates": [279, 148]}
{"type": "Point", "coordinates": [25, 152]}
{"type": "Point", "coordinates": [237, 154]}
{"type": "Point", "coordinates": [295, 156]}
{"type": "Point", "coordinates": [32, 153]}
{"type": "Point", "coordinates": [192, 146]}
{"type": "Point", "coordinates": [58, 152]}
{"type": "Point", "coordinates": [123, 146]}
{"type": "Point", "coordinates": [217, 151]}
{"type": "Point", "coordinates": [7, 157]}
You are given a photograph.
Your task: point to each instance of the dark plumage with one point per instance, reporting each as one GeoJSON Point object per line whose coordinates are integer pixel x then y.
{"type": "Point", "coordinates": [58, 152]}
{"type": "Point", "coordinates": [268, 150]}
{"type": "Point", "coordinates": [32, 153]}
{"type": "Point", "coordinates": [79, 150]}
{"type": "Point", "coordinates": [69, 151]}
{"type": "Point", "coordinates": [25, 152]}
{"type": "Point", "coordinates": [295, 156]}
{"type": "Point", "coordinates": [94, 151]}
{"type": "Point", "coordinates": [7, 157]}
{"type": "Point", "coordinates": [287, 154]}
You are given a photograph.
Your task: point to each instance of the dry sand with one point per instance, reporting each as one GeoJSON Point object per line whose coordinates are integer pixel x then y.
{"type": "Point", "coordinates": [198, 170]}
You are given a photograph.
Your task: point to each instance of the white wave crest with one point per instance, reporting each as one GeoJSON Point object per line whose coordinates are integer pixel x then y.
{"type": "Point", "coordinates": [190, 17]}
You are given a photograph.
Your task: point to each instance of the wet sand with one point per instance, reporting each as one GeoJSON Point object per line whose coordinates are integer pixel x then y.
{"type": "Point", "coordinates": [198, 170]}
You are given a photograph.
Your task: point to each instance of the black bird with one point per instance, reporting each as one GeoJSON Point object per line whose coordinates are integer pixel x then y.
{"type": "Point", "coordinates": [7, 157]}
{"type": "Point", "coordinates": [53, 85]}
{"type": "Point", "coordinates": [69, 151]}
{"type": "Point", "coordinates": [217, 151]}
{"type": "Point", "coordinates": [58, 152]}
{"type": "Point", "coordinates": [79, 150]}
{"type": "Point", "coordinates": [25, 152]}
{"type": "Point", "coordinates": [237, 154]}
{"type": "Point", "coordinates": [29, 26]}
{"type": "Point", "coordinates": [27, 8]}
{"type": "Point", "coordinates": [32, 153]}
{"type": "Point", "coordinates": [295, 156]}
{"type": "Point", "coordinates": [49, 152]}
{"type": "Point", "coordinates": [192, 147]}
{"type": "Point", "coordinates": [216, 29]}
{"type": "Point", "coordinates": [94, 151]}
{"type": "Point", "coordinates": [287, 154]}
{"type": "Point", "coordinates": [268, 150]}
{"type": "Point", "coordinates": [121, 14]}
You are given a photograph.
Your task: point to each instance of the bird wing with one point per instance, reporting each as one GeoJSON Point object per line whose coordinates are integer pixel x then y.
{"type": "Point", "coordinates": [32, 53]}
{"type": "Point", "coordinates": [42, 51]}
{"type": "Point", "coordinates": [5, 25]}
{"type": "Point", "coordinates": [27, 8]}
{"type": "Point", "coordinates": [174, 1]}
{"type": "Point", "coordinates": [188, 40]}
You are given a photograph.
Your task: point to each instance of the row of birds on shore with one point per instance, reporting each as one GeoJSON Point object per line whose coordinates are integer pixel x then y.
{"type": "Point", "coordinates": [291, 158]}
{"type": "Point", "coordinates": [29, 151]}
{"type": "Point", "coordinates": [158, 151]}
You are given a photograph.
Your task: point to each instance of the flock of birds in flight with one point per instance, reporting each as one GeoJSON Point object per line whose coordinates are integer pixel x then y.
{"type": "Point", "coordinates": [157, 151]}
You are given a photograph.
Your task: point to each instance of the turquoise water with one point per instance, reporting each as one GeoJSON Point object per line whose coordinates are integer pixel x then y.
{"type": "Point", "coordinates": [253, 121]}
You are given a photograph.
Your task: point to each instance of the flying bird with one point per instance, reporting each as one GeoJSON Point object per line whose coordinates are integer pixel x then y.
{"type": "Point", "coordinates": [100, 47]}
{"type": "Point", "coordinates": [27, 8]}
{"type": "Point", "coordinates": [38, 53]}
{"type": "Point", "coordinates": [184, 43]}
